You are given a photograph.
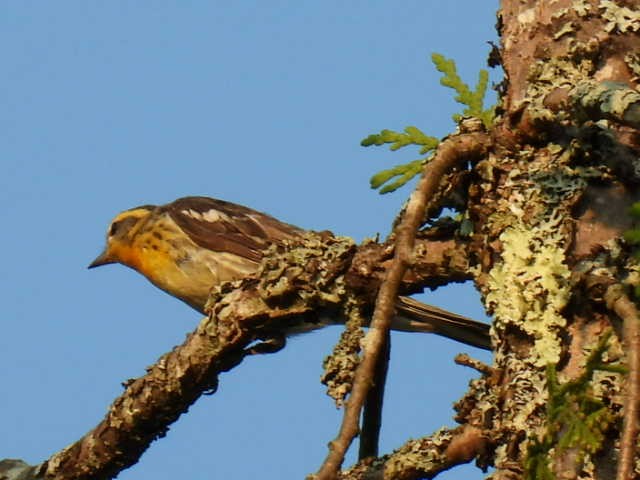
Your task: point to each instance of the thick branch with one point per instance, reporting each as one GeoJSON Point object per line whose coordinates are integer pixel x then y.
{"type": "Point", "coordinates": [239, 315]}
{"type": "Point", "coordinates": [151, 403]}
{"type": "Point", "coordinates": [437, 262]}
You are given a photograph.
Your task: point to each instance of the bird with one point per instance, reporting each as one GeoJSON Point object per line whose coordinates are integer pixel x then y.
{"type": "Point", "coordinates": [193, 243]}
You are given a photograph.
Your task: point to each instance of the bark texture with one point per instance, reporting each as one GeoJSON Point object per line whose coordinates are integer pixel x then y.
{"type": "Point", "coordinates": [549, 207]}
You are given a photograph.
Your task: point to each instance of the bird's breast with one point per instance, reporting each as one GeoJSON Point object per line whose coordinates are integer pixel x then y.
{"type": "Point", "coordinates": [189, 273]}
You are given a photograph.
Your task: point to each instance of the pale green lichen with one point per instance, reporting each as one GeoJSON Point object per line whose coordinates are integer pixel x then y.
{"type": "Point", "coordinates": [619, 18]}
{"type": "Point", "coordinates": [632, 59]}
{"type": "Point", "coordinates": [547, 75]}
{"type": "Point", "coordinates": [612, 99]}
{"type": "Point", "coordinates": [531, 285]}
{"type": "Point", "coordinates": [502, 458]}
{"type": "Point", "coordinates": [339, 368]}
{"type": "Point", "coordinates": [285, 268]}
{"type": "Point", "coordinates": [566, 29]}
{"type": "Point", "coordinates": [556, 74]}
{"type": "Point", "coordinates": [581, 7]}
{"type": "Point", "coordinates": [632, 268]}
{"type": "Point", "coordinates": [560, 13]}
{"type": "Point", "coordinates": [527, 386]}
{"type": "Point", "coordinates": [422, 455]}
{"type": "Point", "coordinates": [527, 16]}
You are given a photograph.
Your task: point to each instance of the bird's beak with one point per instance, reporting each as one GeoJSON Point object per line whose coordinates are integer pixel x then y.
{"type": "Point", "coordinates": [102, 259]}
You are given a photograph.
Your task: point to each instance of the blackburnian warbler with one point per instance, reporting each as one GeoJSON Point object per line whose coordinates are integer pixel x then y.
{"type": "Point", "coordinates": [193, 243]}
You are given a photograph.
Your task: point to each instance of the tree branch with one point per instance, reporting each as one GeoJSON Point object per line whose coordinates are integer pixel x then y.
{"type": "Point", "coordinates": [451, 152]}
{"type": "Point", "coordinates": [372, 414]}
{"type": "Point", "coordinates": [437, 262]}
{"type": "Point", "coordinates": [240, 314]}
{"type": "Point", "coordinates": [151, 403]}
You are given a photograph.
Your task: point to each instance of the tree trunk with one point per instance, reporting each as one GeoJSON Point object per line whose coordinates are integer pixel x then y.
{"type": "Point", "coordinates": [549, 206]}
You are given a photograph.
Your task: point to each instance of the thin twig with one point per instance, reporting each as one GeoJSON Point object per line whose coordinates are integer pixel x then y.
{"type": "Point", "coordinates": [450, 153]}
{"type": "Point", "coordinates": [372, 415]}
{"type": "Point", "coordinates": [620, 303]}
{"type": "Point", "coordinates": [465, 360]}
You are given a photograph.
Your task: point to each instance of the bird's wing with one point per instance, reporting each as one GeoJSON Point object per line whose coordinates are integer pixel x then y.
{"type": "Point", "coordinates": [227, 227]}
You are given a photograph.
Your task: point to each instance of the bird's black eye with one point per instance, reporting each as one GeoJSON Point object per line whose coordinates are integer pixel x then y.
{"type": "Point", "coordinates": [114, 228]}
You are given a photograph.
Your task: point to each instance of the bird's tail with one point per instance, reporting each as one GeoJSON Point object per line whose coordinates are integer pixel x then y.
{"type": "Point", "coordinates": [414, 316]}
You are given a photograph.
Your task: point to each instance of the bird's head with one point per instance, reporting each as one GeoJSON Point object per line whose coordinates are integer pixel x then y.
{"type": "Point", "coordinates": [120, 234]}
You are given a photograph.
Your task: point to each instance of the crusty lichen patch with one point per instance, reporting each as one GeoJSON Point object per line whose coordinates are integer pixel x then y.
{"type": "Point", "coordinates": [339, 368]}
{"type": "Point", "coordinates": [613, 100]}
{"type": "Point", "coordinates": [421, 455]}
{"type": "Point", "coordinates": [313, 267]}
{"type": "Point", "coordinates": [619, 18]}
{"type": "Point", "coordinates": [581, 7]}
{"type": "Point", "coordinates": [529, 282]}
{"type": "Point", "coordinates": [530, 285]}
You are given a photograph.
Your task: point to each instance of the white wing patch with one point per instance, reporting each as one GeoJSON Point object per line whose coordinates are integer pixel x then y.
{"type": "Point", "coordinates": [192, 213]}
{"type": "Point", "coordinates": [214, 215]}
{"type": "Point", "coordinates": [256, 218]}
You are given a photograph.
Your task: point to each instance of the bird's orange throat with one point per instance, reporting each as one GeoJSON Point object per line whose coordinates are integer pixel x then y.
{"type": "Point", "coordinates": [157, 266]}
{"type": "Point", "coordinates": [127, 255]}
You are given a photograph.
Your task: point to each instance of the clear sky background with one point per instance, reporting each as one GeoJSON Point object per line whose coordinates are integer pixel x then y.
{"type": "Point", "coordinates": [109, 105]}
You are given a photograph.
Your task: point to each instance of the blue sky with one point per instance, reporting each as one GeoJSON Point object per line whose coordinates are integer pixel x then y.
{"type": "Point", "coordinates": [108, 105]}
